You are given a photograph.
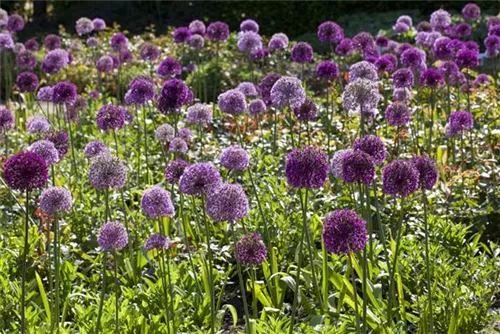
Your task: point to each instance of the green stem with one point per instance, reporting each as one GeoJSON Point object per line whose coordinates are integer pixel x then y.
{"type": "Point", "coordinates": [171, 293]}
{"type": "Point", "coordinates": [186, 241]}
{"type": "Point", "coordinates": [428, 264]}
{"type": "Point", "coordinates": [165, 292]}
{"type": "Point", "coordinates": [396, 254]}
{"type": "Point", "coordinates": [25, 255]}
{"type": "Point", "coordinates": [242, 285]}
{"type": "Point", "coordinates": [117, 290]}
{"type": "Point", "coordinates": [103, 293]}
{"type": "Point", "coordinates": [354, 293]}
{"type": "Point", "coordinates": [210, 268]}
{"type": "Point", "coordinates": [57, 270]}
{"type": "Point", "coordinates": [254, 294]}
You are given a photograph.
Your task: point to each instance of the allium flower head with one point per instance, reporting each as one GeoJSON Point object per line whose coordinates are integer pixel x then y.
{"type": "Point", "coordinates": [125, 56]}
{"type": "Point", "coordinates": [302, 52]}
{"type": "Point", "coordinates": [107, 171]}
{"type": "Point", "coordinates": [400, 178]}
{"type": "Point", "coordinates": [287, 91]}
{"type": "Point", "coordinates": [482, 80]}
{"type": "Point", "coordinates": [432, 78]}
{"type": "Point", "coordinates": [181, 35]}
{"type": "Point", "coordinates": [462, 30]}
{"type": "Point", "coordinates": [27, 82]}
{"type": "Point", "coordinates": [454, 46]}
{"type": "Point", "coordinates": [232, 102]}
{"type": "Point", "coordinates": [400, 28]}
{"type": "Point", "coordinates": [363, 41]}
{"type": "Point", "coordinates": [6, 42]}
{"type": "Point", "coordinates": [196, 41]}
{"type": "Point", "coordinates": [357, 166]}
{"type": "Point", "coordinates": [52, 42]}
{"type": "Point", "coordinates": [327, 70]}
{"type": "Point", "coordinates": [156, 203]}
{"type": "Point", "coordinates": [406, 20]}
{"type": "Point", "coordinates": [235, 158]}
{"type": "Point", "coordinates": [174, 170]}
{"type": "Point", "coordinates": [361, 95]}
{"type": "Point", "coordinates": [257, 106]}
{"type": "Point", "coordinates": [32, 45]}
{"type": "Point", "coordinates": [373, 146]}
{"type": "Point", "coordinates": [382, 41]}
{"type": "Point", "coordinates": [84, 26]}
{"type": "Point", "coordinates": [461, 121]}
{"type": "Point", "coordinates": [306, 167]}
{"type": "Point", "coordinates": [199, 178]}
{"type": "Point", "coordinates": [386, 64]}
{"type": "Point", "coordinates": [472, 45]}
{"type": "Point", "coordinates": [169, 67]}
{"type": "Point", "coordinates": [112, 236]}
{"type": "Point", "coordinates": [397, 114]}
{"type": "Point", "coordinates": [149, 52]}
{"type": "Point", "coordinates": [345, 48]}
{"type": "Point", "coordinates": [414, 59]}
{"type": "Point", "coordinates": [174, 94]}
{"type": "Point", "coordinates": [250, 249]}
{"type": "Point", "coordinates": [364, 70]}
{"type": "Point", "coordinates": [95, 148]}
{"type": "Point", "coordinates": [307, 111]}
{"type": "Point", "coordinates": [45, 94]}
{"type": "Point", "coordinates": [177, 145]}
{"type": "Point", "coordinates": [110, 117]}
{"type": "Point", "coordinates": [467, 59]}
{"type": "Point", "coordinates": [197, 27]}
{"type": "Point", "coordinates": [64, 92]}
{"type": "Point", "coordinates": [141, 90]}
{"type": "Point", "coordinates": [25, 59]}
{"type": "Point", "coordinates": [457, 79]}
{"type": "Point", "coordinates": [471, 11]}
{"type": "Point", "coordinates": [55, 60]}
{"type": "Point", "coordinates": [248, 88]}
{"type": "Point", "coordinates": [99, 24]}
{"type": "Point", "coordinates": [249, 41]}
{"type": "Point", "coordinates": [265, 86]}
{"type": "Point", "coordinates": [249, 25]}
{"type": "Point", "coordinates": [440, 19]}
{"type": "Point", "coordinates": [104, 64]}
{"type": "Point", "coordinates": [158, 242]}
{"type": "Point", "coordinates": [199, 114]}
{"type": "Point", "coordinates": [6, 119]}
{"type": "Point", "coordinates": [25, 171]}
{"type": "Point", "coordinates": [94, 94]}
{"type": "Point", "coordinates": [55, 200]}
{"type": "Point", "coordinates": [330, 32]}
{"type": "Point", "coordinates": [278, 41]}
{"type": "Point", "coordinates": [118, 41]}
{"type": "Point", "coordinates": [428, 172]}
{"type": "Point", "coordinates": [448, 68]}
{"type": "Point", "coordinates": [218, 31]}
{"type": "Point", "coordinates": [227, 203]}
{"type": "Point", "coordinates": [260, 54]}
{"type": "Point", "coordinates": [61, 141]}
{"type": "Point", "coordinates": [344, 232]}
{"type": "Point", "coordinates": [337, 162]}
{"type": "Point", "coordinates": [37, 124]}
{"type": "Point", "coordinates": [46, 150]}
{"type": "Point", "coordinates": [164, 133]}
{"type": "Point", "coordinates": [15, 23]}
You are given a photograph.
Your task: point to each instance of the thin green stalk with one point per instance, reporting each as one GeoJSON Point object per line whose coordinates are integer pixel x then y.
{"type": "Point", "coordinates": [324, 276]}
{"type": "Point", "coordinates": [171, 293]}
{"type": "Point", "coordinates": [254, 294]}
{"type": "Point", "coordinates": [396, 254]}
{"type": "Point", "coordinates": [211, 268]}
{"type": "Point", "coordinates": [428, 264]}
{"type": "Point", "coordinates": [354, 293]}
{"type": "Point", "coordinates": [164, 285]}
{"type": "Point", "coordinates": [242, 285]}
{"type": "Point", "coordinates": [57, 247]}
{"type": "Point", "coordinates": [25, 254]}
{"type": "Point", "coordinates": [103, 293]}
{"type": "Point", "coordinates": [145, 130]}
{"type": "Point", "coordinates": [267, 236]}
{"type": "Point", "coordinates": [117, 290]}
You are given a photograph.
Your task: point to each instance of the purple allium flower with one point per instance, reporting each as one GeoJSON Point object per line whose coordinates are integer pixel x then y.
{"type": "Point", "coordinates": [45, 94]}
{"type": "Point", "coordinates": [196, 41]}
{"type": "Point", "coordinates": [19, 47]}
{"type": "Point", "coordinates": [330, 32]}
{"type": "Point", "coordinates": [492, 44]}
{"type": "Point", "coordinates": [164, 133]}
{"type": "Point", "coordinates": [327, 70]}
{"type": "Point", "coordinates": [116, 60]}
{"type": "Point", "coordinates": [363, 69]}
{"type": "Point", "coordinates": [382, 41]}
{"type": "Point", "coordinates": [471, 11]}
{"type": "Point", "coordinates": [384, 64]}
{"type": "Point", "coordinates": [363, 40]}
{"type": "Point", "coordinates": [373, 146]}
{"type": "Point", "coordinates": [227, 203]}
{"type": "Point", "coordinates": [357, 166]}
{"type": "Point", "coordinates": [400, 28]}
{"type": "Point", "coordinates": [397, 114]}
{"type": "Point", "coordinates": [25, 171]}
{"type": "Point", "coordinates": [260, 54]}
{"type": "Point", "coordinates": [247, 88]}
{"type": "Point", "coordinates": [431, 78]}
{"type": "Point", "coordinates": [52, 42]}
{"type": "Point", "coordinates": [482, 80]}
{"type": "Point", "coordinates": [27, 82]}
{"type": "Point", "coordinates": [92, 42]}
{"type": "Point", "coordinates": [6, 42]}
{"type": "Point", "coordinates": [32, 45]}
{"type": "Point", "coordinates": [156, 203]}
{"type": "Point", "coordinates": [112, 236]}
{"type": "Point", "coordinates": [61, 141]}
{"type": "Point", "coordinates": [448, 132]}
{"type": "Point", "coordinates": [110, 117]}
{"type": "Point", "coordinates": [174, 170]}
{"type": "Point", "coordinates": [461, 121]}
{"type": "Point", "coordinates": [178, 145]}
{"type": "Point", "coordinates": [186, 135]}
{"type": "Point", "coordinates": [169, 67]}
{"type": "Point", "coordinates": [199, 178]}
{"type": "Point", "coordinates": [414, 59]}
{"type": "Point", "coordinates": [467, 59]}
{"type": "Point", "coordinates": [494, 30]}
{"type": "Point", "coordinates": [6, 119]}
{"type": "Point", "coordinates": [218, 31]}
{"type": "Point", "coordinates": [257, 106]}
{"type": "Point", "coordinates": [174, 94]}
{"type": "Point", "coordinates": [26, 59]}
{"type": "Point", "coordinates": [361, 95]}
{"type": "Point", "coordinates": [141, 90]}
{"type": "Point", "coordinates": [250, 249]}
{"type": "Point", "coordinates": [428, 172]}
{"type": "Point", "coordinates": [107, 171]}
{"type": "Point", "coordinates": [472, 45]}
{"type": "Point", "coordinates": [287, 91]}
{"type": "Point", "coordinates": [249, 41]}
{"type": "Point", "coordinates": [235, 158]}
{"type": "Point", "coordinates": [457, 79]}
{"type": "Point", "coordinates": [448, 68]}
{"type": "Point", "coordinates": [462, 30]}
{"type": "Point", "coordinates": [118, 41]}
{"type": "Point", "coordinates": [125, 56]}
{"type": "Point", "coordinates": [302, 52]}
{"type": "Point", "coordinates": [344, 232]}
{"type": "Point", "coordinates": [400, 178]}
{"type": "Point", "coordinates": [37, 124]}
{"type": "Point", "coordinates": [345, 48]}
{"type": "Point", "coordinates": [441, 49]}
{"type": "Point", "coordinates": [337, 162]}
{"type": "Point", "coordinates": [181, 35]}
{"type": "Point", "coordinates": [371, 54]}
{"type": "Point", "coordinates": [400, 48]}
{"type": "Point", "coordinates": [278, 41]}
{"type": "Point", "coordinates": [149, 52]}
{"type": "Point", "coordinates": [232, 102]}
{"type": "Point", "coordinates": [55, 60]}
{"type": "Point", "coordinates": [199, 114]}
{"type": "Point", "coordinates": [84, 26]}
{"type": "Point", "coordinates": [15, 23]}
{"type": "Point", "coordinates": [492, 21]}
{"type": "Point", "coordinates": [46, 150]}
{"type": "Point", "coordinates": [158, 242]}
{"type": "Point", "coordinates": [249, 25]}
{"type": "Point", "coordinates": [64, 92]}
{"type": "Point", "coordinates": [94, 94]}
{"type": "Point", "coordinates": [128, 117]}
{"type": "Point", "coordinates": [197, 27]}
{"type": "Point", "coordinates": [454, 46]}
{"type": "Point", "coordinates": [105, 64]}
{"type": "Point", "coordinates": [99, 24]}
{"type": "Point", "coordinates": [54, 200]}
{"type": "Point", "coordinates": [440, 19]}
{"type": "Point", "coordinates": [406, 20]}
{"type": "Point", "coordinates": [307, 111]}
{"type": "Point", "coordinates": [265, 86]}
{"type": "Point", "coordinates": [191, 68]}
{"type": "Point", "coordinates": [95, 148]}
{"type": "Point", "coordinates": [306, 167]}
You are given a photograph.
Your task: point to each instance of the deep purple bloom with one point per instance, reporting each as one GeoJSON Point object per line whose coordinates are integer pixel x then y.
{"type": "Point", "coordinates": [345, 48]}
{"type": "Point", "coordinates": [462, 30]}
{"type": "Point", "coordinates": [55, 200]}
{"type": "Point", "coordinates": [110, 117]}
{"type": "Point", "coordinates": [384, 63]}
{"type": "Point", "coordinates": [400, 178]}
{"type": "Point", "coordinates": [27, 82]}
{"type": "Point", "coordinates": [25, 59]}
{"type": "Point", "coordinates": [55, 60]}
{"type": "Point", "coordinates": [287, 91]}
{"type": "Point", "coordinates": [472, 45]}
{"type": "Point", "coordinates": [141, 90]}
{"type": "Point", "coordinates": [149, 52]}
{"type": "Point", "coordinates": [112, 236]}
{"type": "Point", "coordinates": [454, 46]}
{"type": "Point", "coordinates": [249, 41]}
{"type": "Point", "coordinates": [169, 67]}
{"type": "Point", "coordinates": [64, 92]}
{"type": "Point", "coordinates": [174, 94]}
{"type": "Point", "coordinates": [278, 41]}
{"type": "Point", "coordinates": [461, 121]}
{"type": "Point", "coordinates": [61, 141]}
{"type": "Point", "coordinates": [92, 42]}
{"type": "Point", "coordinates": [118, 41]}
{"type": "Point", "coordinates": [397, 114]}
{"type": "Point", "coordinates": [471, 11]}
{"type": "Point", "coordinates": [227, 203]}
{"type": "Point", "coordinates": [6, 42]}
{"type": "Point", "coordinates": [336, 165]}
{"type": "Point", "coordinates": [84, 26]}
{"type": "Point", "coordinates": [428, 172]}
{"type": "Point", "coordinates": [467, 59]}
{"type": "Point", "coordinates": [344, 232]}
{"type": "Point", "coordinates": [177, 145]}
{"type": "Point", "coordinates": [125, 56]}
{"type": "Point", "coordinates": [52, 42]}
{"type": "Point", "coordinates": [400, 48]}
{"type": "Point", "coordinates": [257, 106]}
{"type": "Point", "coordinates": [414, 59]}
{"type": "Point", "coordinates": [156, 203]}
{"type": "Point", "coordinates": [364, 70]}
{"type": "Point", "coordinates": [441, 49]}
{"type": "Point", "coordinates": [307, 111]}
{"type": "Point", "coordinates": [46, 150]}
{"type": "Point", "coordinates": [327, 70]}
{"type": "Point", "coordinates": [382, 41]}
{"type": "Point", "coordinates": [302, 52]}
{"type": "Point", "coordinates": [403, 78]}
{"type": "Point", "coordinates": [432, 78]}
{"type": "Point", "coordinates": [361, 96]}
{"type": "Point", "coordinates": [265, 86]}
{"type": "Point", "coordinates": [306, 167]}
{"type": "Point", "coordinates": [181, 35]}
{"type": "Point", "coordinates": [197, 27]}
{"type": "Point", "coordinates": [250, 250]}
{"type": "Point", "coordinates": [440, 19]}
{"type": "Point", "coordinates": [363, 41]}
{"type": "Point", "coordinates": [25, 171]}
{"type": "Point", "coordinates": [482, 80]}
{"type": "Point", "coordinates": [448, 68]}
{"type": "Point", "coordinates": [95, 148]}
{"type": "Point", "coordinates": [260, 54]}
{"type": "Point", "coordinates": [6, 119]}
{"type": "Point", "coordinates": [400, 28]}
{"type": "Point", "coordinates": [218, 31]}
{"type": "Point", "coordinates": [99, 24]}
{"type": "Point", "coordinates": [94, 94]}
{"type": "Point", "coordinates": [186, 135]}
{"type": "Point", "coordinates": [158, 242]}
{"type": "Point", "coordinates": [373, 146]}
{"type": "Point", "coordinates": [15, 23]}
{"type": "Point", "coordinates": [330, 32]}
{"type": "Point", "coordinates": [199, 178]}
{"type": "Point", "coordinates": [199, 114]}
{"type": "Point", "coordinates": [232, 102]}
{"type": "Point", "coordinates": [174, 170]}
{"type": "Point", "coordinates": [32, 45]}
{"type": "Point", "coordinates": [358, 166]}
{"type": "Point", "coordinates": [247, 88]}
{"type": "Point", "coordinates": [235, 158]}
{"type": "Point", "coordinates": [104, 64]}
{"type": "Point", "coordinates": [249, 25]}
{"type": "Point", "coordinates": [107, 171]}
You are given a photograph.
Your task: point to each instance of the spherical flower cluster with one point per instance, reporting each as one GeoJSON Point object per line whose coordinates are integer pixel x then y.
{"type": "Point", "coordinates": [427, 170]}
{"type": "Point", "coordinates": [196, 41]}
{"type": "Point", "coordinates": [164, 133]}
{"type": "Point", "coordinates": [249, 41]}
{"type": "Point", "coordinates": [306, 167]}
{"type": "Point", "coordinates": [158, 242]}
{"type": "Point", "coordinates": [344, 232]}
{"type": "Point", "coordinates": [307, 111]}
{"type": "Point", "coordinates": [141, 90]}
{"type": "Point", "coordinates": [235, 158]}
{"type": "Point", "coordinates": [52, 42]}
{"type": "Point", "coordinates": [400, 28]}
{"type": "Point", "coordinates": [461, 121]}
{"type": "Point", "coordinates": [94, 94]}
{"type": "Point", "coordinates": [64, 92]}
{"type": "Point", "coordinates": [462, 30]}
{"type": "Point", "coordinates": [94, 148]}
{"type": "Point", "coordinates": [424, 26]}
{"type": "Point", "coordinates": [448, 68]}
{"type": "Point", "coordinates": [467, 59]}
{"type": "Point", "coordinates": [107, 171]}
{"type": "Point", "coordinates": [400, 178]}
{"type": "Point", "coordinates": [302, 52]}
{"type": "Point", "coordinates": [6, 119]}
{"type": "Point", "coordinates": [25, 171]}
{"type": "Point", "coordinates": [55, 200]}
{"type": "Point", "coordinates": [257, 106]}
{"type": "Point", "coordinates": [149, 52]}
{"type": "Point", "coordinates": [6, 42]}
{"type": "Point", "coordinates": [84, 26]}
{"type": "Point", "coordinates": [414, 59]}
{"type": "Point", "coordinates": [471, 11]}
{"type": "Point", "coordinates": [37, 124]}
{"type": "Point", "coordinates": [432, 78]}
{"type": "Point", "coordinates": [265, 86]}
{"type": "Point", "coordinates": [249, 25]}
{"type": "Point", "coordinates": [199, 114]}
{"type": "Point", "coordinates": [227, 203]}
{"type": "Point", "coordinates": [199, 178]}
{"type": "Point", "coordinates": [361, 96]}
{"type": "Point", "coordinates": [260, 54]}
{"type": "Point", "coordinates": [25, 59]}
{"type": "Point", "coordinates": [492, 44]}
{"type": "Point", "coordinates": [99, 24]}
{"type": "Point", "coordinates": [482, 80]}
{"type": "Point", "coordinates": [112, 236]}
{"type": "Point", "coordinates": [45, 94]}
{"type": "Point", "coordinates": [55, 60]}
{"type": "Point", "coordinates": [357, 166]}
{"type": "Point", "coordinates": [278, 41]}
{"type": "Point", "coordinates": [385, 63]}
{"type": "Point", "coordinates": [247, 88]}
{"type": "Point", "coordinates": [104, 64]}
{"type": "Point", "coordinates": [181, 35]}
{"type": "Point", "coordinates": [46, 150]}
{"type": "Point", "coordinates": [61, 141]}
{"type": "Point", "coordinates": [197, 27]}
{"type": "Point", "coordinates": [92, 42]}
{"type": "Point", "coordinates": [250, 249]}
{"type": "Point", "coordinates": [337, 162]}
{"type": "Point", "coordinates": [125, 56]}
{"type": "Point", "coordinates": [397, 114]}
{"type": "Point", "coordinates": [330, 32]}
{"type": "Point", "coordinates": [27, 82]}
{"type": "Point", "coordinates": [15, 23]}
{"type": "Point", "coordinates": [174, 94]}
{"type": "Point", "coordinates": [118, 41]}
{"type": "Point", "coordinates": [169, 67]}
{"type": "Point", "coordinates": [178, 145]}
{"type": "Point", "coordinates": [363, 41]}
{"type": "Point", "coordinates": [373, 146]}
{"type": "Point", "coordinates": [174, 170]}
{"type": "Point", "coordinates": [156, 203]}
{"type": "Point", "coordinates": [110, 117]}
{"type": "Point", "coordinates": [218, 31]}
{"type": "Point", "coordinates": [327, 70]}
{"type": "Point", "coordinates": [232, 102]}
{"type": "Point", "coordinates": [364, 70]}
{"type": "Point", "coordinates": [287, 91]}
{"type": "Point", "coordinates": [32, 45]}
{"type": "Point", "coordinates": [440, 19]}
